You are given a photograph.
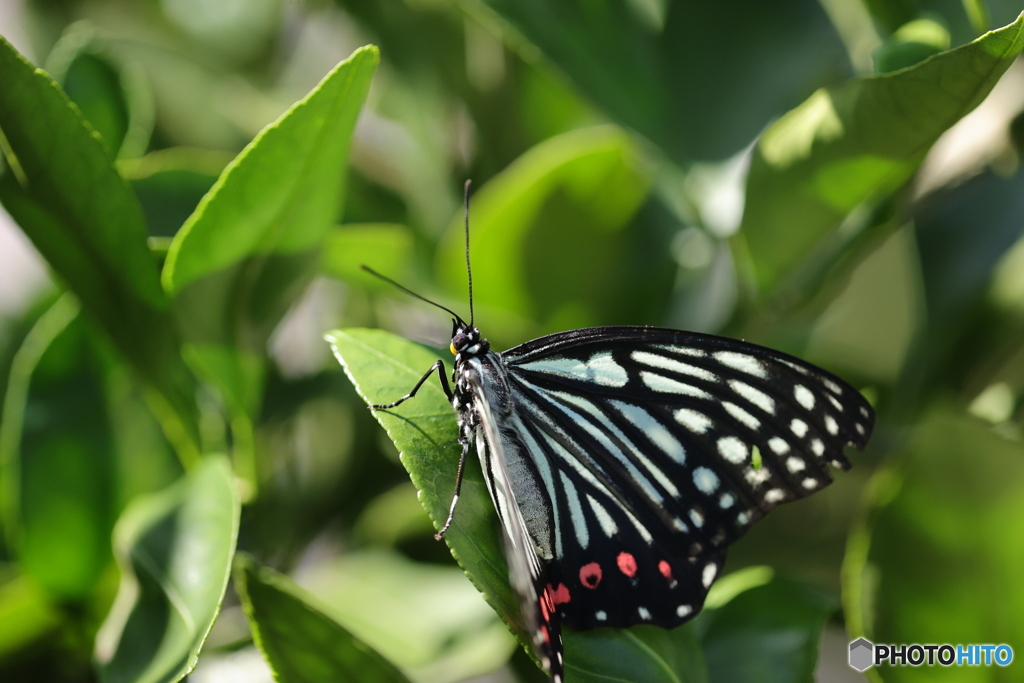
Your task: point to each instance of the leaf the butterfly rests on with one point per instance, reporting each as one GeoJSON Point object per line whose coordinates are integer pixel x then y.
{"type": "Point", "coordinates": [622, 461]}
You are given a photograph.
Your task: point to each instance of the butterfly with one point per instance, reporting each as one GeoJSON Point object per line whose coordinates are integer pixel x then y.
{"type": "Point", "coordinates": [622, 461]}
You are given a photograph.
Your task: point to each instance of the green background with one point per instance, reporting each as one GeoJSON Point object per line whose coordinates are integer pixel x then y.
{"type": "Point", "coordinates": [189, 187]}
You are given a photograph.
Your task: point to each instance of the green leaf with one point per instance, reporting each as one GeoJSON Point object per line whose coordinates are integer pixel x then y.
{"type": "Point", "coordinates": [113, 98]}
{"type": "Point", "coordinates": [386, 247]}
{"type": "Point", "coordinates": [913, 42]}
{"type": "Point", "coordinates": [424, 617]}
{"type": "Point", "coordinates": [300, 642]}
{"type": "Point", "coordinates": [944, 535]}
{"type": "Point", "coordinates": [254, 242]}
{"type": "Point", "coordinates": [856, 143]}
{"type": "Point", "coordinates": [26, 614]}
{"type": "Point", "coordinates": [174, 549]}
{"type": "Point", "coordinates": [776, 624]}
{"type": "Point", "coordinates": [384, 367]}
{"type": "Point", "coordinates": [557, 220]}
{"type": "Point", "coordinates": [691, 77]}
{"type": "Point", "coordinates": [641, 653]}
{"type": "Point", "coordinates": [57, 456]}
{"type": "Point", "coordinates": [61, 187]}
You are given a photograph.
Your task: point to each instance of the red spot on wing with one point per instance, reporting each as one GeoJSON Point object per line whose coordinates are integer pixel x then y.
{"type": "Point", "coordinates": [544, 634]}
{"type": "Point", "coordinates": [560, 595]}
{"type": "Point", "coordinates": [666, 569]}
{"type": "Point", "coordinates": [627, 564]}
{"type": "Point", "coordinates": [590, 575]}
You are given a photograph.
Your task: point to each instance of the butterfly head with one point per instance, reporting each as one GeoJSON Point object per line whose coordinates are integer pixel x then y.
{"type": "Point", "coordinates": [466, 339]}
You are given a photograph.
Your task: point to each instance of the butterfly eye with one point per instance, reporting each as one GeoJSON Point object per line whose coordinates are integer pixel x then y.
{"type": "Point", "coordinates": [451, 347]}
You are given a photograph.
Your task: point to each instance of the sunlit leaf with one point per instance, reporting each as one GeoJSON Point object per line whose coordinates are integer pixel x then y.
{"type": "Point", "coordinates": [111, 95]}
{"type": "Point", "coordinates": [848, 145]}
{"type": "Point", "coordinates": [252, 245]}
{"type": "Point", "coordinates": [26, 613]}
{"type": "Point", "coordinates": [61, 187]}
{"type": "Point", "coordinates": [174, 549]}
{"type": "Point", "coordinates": [301, 643]}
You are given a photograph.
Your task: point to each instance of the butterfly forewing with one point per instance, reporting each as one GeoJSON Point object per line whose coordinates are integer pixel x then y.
{"type": "Point", "coordinates": [657, 448]}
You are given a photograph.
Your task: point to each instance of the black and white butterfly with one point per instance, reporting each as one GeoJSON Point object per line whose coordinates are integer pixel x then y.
{"type": "Point", "coordinates": [622, 461]}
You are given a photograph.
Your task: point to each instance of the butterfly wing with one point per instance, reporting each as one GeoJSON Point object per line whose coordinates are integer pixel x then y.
{"type": "Point", "coordinates": [524, 514]}
{"type": "Point", "coordinates": [657, 448]}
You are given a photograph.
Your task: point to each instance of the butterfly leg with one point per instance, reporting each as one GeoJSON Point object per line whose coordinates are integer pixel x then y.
{"type": "Point", "coordinates": [458, 487]}
{"type": "Point", "coordinates": [439, 367]}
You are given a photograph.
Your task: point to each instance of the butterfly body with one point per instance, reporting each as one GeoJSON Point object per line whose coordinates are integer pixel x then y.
{"type": "Point", "coordinates": [622, 461]}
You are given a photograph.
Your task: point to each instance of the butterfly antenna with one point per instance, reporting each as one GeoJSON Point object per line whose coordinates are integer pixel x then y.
{"type": "Point", "coordinates": [408, 291]}
{"type": "Point", "coordinates": [469, 270]}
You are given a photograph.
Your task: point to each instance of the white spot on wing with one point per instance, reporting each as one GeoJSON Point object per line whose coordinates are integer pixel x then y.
{"type": "Point", "coordinates": [685, 350]}
{"type": "Point", "coordinates": [741, 362]}
{"type": "Point", "coordinates": [743, 518]}
{"type": "Point", "coordinates": [680, 525]}
{"type": "Point", "coordinates": [667, 385]}
{"type": "Point", "coordinates": [697, 423]}
{"type": "Point", "coordinates": [860, 428]}
{"type": "Point", "coordinates": [732, 449]}
{"type": "Point", "coordinates": [579, 522]}
{"type": "Point", "coordinates": [757, 477]}
{"type": "Point", "coordinates": [742, 415]}
{"type": "Point", "coordinates": [603, 518]}
{"type": "Point", "coordinates": [804, 396]}
{"type": "Point", "coordinates": [795, 464]}
{"type": "Point", "coordinates": [778, 445]}
{"type": "Point", "coordinates": [774, 495]}
{"type": "Point", "coordinates": [709, 574]}
{"type": "Point", "coordinates": [705, 480]}
{"type": "Point", "coordinates": [653, 429]}
{"type": "Point", "coordinates": [832, 386]}
{"type": "Point", "coordinates": [831, 425]}
{"type": "Point", "coordinates": [697, 518]}
{"type": "Point", "coordinates": [817, 446]}
{"type": "Point", "coordinates": [755, 396]}
{"type": "Point", "coordinates": [683, 610]}
{"type": "Point", "coordinates": [799, 428]}
{"type": "Point", "coordinates": [810, 483]}
{"type": "Point", "coordinates": [835, 404]}
{"type": "Point", "coordinates": [601, 368]}
{"type": "Point", "coordinates": [655, 360]}
{"type": "Point", "coordinates": [726, 501]}
{"type": "Point", "coordinates": [644, 613]}
{"type": "Point", "coordinates": [601, 615]}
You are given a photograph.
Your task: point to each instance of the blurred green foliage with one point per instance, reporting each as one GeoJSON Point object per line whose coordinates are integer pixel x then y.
{"type": "Point", "coordinates": [837, 179]}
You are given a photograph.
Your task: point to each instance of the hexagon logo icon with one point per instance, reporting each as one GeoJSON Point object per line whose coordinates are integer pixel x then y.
{"type": "Point", "coordinates": [862, 654]}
